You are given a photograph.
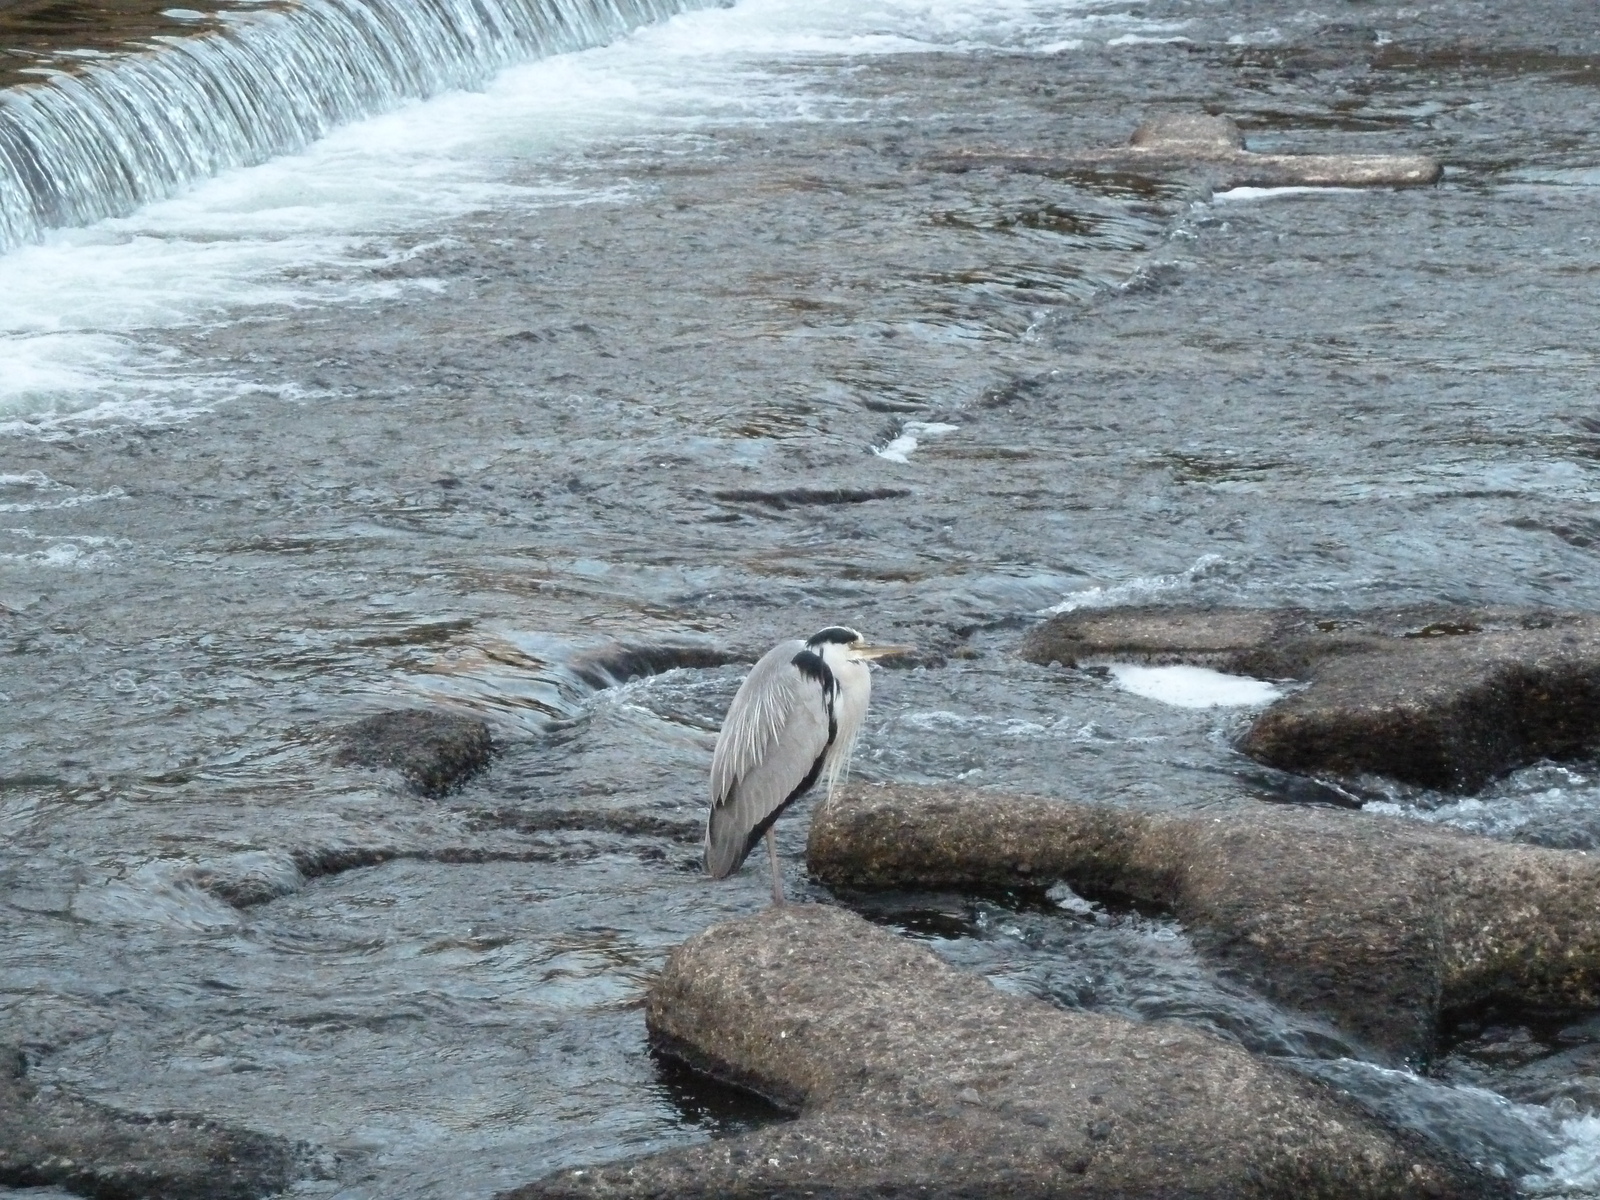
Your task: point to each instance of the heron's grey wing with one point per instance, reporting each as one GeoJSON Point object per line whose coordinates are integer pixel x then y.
{"type": "Point", "coordinates": [771, 745]}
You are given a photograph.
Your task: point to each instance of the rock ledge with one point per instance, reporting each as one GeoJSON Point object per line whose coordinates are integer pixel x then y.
{"type": "Point", "coordinates": [1440, 697]}
{"type": "Point", "coordinates": [916, 1080]}
{"type": "Point", "coordinates": [1378, 924]}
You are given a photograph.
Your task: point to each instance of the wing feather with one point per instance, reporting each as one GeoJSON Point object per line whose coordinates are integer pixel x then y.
{"type": "Point", "coordinates": [772, 739]}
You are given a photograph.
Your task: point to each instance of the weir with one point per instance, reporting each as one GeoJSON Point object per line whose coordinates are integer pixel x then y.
{"type": "Point", "coordinates": [115, 133]}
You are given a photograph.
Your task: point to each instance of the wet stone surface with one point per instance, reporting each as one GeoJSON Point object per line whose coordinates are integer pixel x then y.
{"type": "Point", "coordinates": [1379, 925]}
{"type": "Point", "coordinates": [47, 1138]}
{"type": "Point", "coordinates": [435, 752]}
{"type": "Point", "coordinates": [914, 1079]}
{"type": "Point", "coordinates": [628, 393]}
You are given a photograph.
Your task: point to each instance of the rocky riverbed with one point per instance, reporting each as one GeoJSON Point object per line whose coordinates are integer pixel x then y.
{"type": "Point", "coordinates": [543, 411]}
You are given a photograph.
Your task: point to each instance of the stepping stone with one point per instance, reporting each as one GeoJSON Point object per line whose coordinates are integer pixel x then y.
{"type": "Point", "coordinates": [1440, 697]}
{"type": "Point", "coordinates": [914, 1079]}
{"type": "Point", "coordinates": [1213, 146]}
{"type": "Point", "coordinates": [1377, 924]}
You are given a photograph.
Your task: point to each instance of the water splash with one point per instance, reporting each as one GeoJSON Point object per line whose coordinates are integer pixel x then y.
{"type": "Point", "coordinates": [1547, 804]}
{"type": "Point", "coordinates": [1140, 590]}
{"type": "Point", "coordinates": [1574, 1169]}
{"type": "Point", "coordinates": [902, 445]}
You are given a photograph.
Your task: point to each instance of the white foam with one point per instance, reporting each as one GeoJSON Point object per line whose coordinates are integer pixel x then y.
{"type": "Point", "coordinates": [1558, 176]}
{"type": "Point", "coordinates": [1060, 47]}
{"type": "Point", "coordinates": [1573, 1170]}
{"type": "Point", "coordinates": [81, 553]}
{"type": "Point", "coordinates": [899, 449]}
{"type": "Point", "coordinates": [46, 493]}
{"type": "Point", "coordinates": [72, 501]}
{"type": "Point", "coordinates": [1546, 795]}
{"type": "Point", "coordinates": [1261, 37]}
{"type": "Point", "coordinates": [1193, 687]}
{"type": "Point", "coordinates": [1240, 195]}
{"type": "Point", "coordinates": [1138, 590]}
{"type": "Point", "coordinates": [82, 316]}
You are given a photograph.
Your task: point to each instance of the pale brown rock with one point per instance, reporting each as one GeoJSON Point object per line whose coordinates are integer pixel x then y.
{"type": "Point", "coordinates": [1378, 924]}
{"type": "Point", "coordinates": [914, 1079]}
{"type": "Point", "coordinates": [1212, 146]}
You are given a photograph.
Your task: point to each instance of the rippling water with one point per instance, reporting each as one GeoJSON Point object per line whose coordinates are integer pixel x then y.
{"type": "Point", "coordinates": [433, 410]}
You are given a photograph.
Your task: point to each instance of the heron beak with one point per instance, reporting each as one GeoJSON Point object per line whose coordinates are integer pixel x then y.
{"type": "Point", "coordinates": [879, 651]}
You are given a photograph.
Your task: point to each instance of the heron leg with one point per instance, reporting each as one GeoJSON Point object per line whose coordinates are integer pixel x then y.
{"type": "Point", "coordinates": [777, 876]}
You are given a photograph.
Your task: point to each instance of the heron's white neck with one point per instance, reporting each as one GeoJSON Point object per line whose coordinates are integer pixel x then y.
{"type": "Point", "coordinates": [851, 673]}
{"type": "Point", "coordinates": [853, 678]}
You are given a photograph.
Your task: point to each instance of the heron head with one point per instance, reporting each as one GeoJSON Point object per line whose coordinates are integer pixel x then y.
{"type": "Point", "coordinates": [852, 645]}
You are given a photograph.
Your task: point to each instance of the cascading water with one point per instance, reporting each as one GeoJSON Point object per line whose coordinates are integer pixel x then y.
{"type": "Point", "coordinates": [422, 414]}
{"type": "Point", "coordinates": [102, 141]}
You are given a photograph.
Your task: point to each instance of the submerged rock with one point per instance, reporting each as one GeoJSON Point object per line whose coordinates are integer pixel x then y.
{"type": "Point", "coordinates": [250, 878]}
{"type": "Point", "coordinates": [914, 1079]}
{"type": "Point", "coordinates": [436, 752]}
{"type": "Point", "coordinates": [1213, 147]}
{"type": "Point", "coordinates": [49, 1139]}
{"type": "Point", "coordinates": [787, 498]}
{"type": "Point", "coordinates": [1377, 924]}
{"type": "Point", "coordinates": [1440, 697]}
{"type": "Point", "coordinates": [607, 666]}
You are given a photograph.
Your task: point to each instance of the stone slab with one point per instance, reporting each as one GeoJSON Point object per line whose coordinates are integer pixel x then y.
{"type": "Point", "coordinates": [1378, 924]}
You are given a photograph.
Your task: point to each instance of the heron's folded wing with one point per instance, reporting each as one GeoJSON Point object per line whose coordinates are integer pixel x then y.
{"type": "Point", "coordinates": [771, 746]}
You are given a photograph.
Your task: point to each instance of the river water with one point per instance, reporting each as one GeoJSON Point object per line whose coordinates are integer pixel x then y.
{"type": "Point", "coordinates": [437, 408]}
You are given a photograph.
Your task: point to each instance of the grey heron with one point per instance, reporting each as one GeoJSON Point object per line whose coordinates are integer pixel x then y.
{"type": "Point", "coordinates": [793, 721]}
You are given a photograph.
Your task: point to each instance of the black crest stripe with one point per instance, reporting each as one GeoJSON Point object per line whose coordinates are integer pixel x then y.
{"type": "Point", "coordinates": [837, 634]}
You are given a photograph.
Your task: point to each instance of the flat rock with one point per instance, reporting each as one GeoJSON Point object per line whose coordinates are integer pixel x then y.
{"type": "Point", "coordinates": [914, 1079]}
{"type": "Point", "coordinates": [1377, 924]}
{"type": "Point", "coordinates": [1440, 697]}
{"type": "Point", "coordinates": [50, 1139]}
{"type": "Point", "coordinates": [436, 751]}
{"type": "Point", "coordinates": [1213, 147]}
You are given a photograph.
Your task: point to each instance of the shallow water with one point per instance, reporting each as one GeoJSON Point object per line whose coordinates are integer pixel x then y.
{"type": "Point", "coordinates": [429, 412]}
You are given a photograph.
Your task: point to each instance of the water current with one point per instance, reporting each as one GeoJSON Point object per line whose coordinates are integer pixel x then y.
{"type": "Point", "coordinates": [441, 407]}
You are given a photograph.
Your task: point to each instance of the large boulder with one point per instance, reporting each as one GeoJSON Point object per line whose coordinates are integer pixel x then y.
{"type": "Point", "coordinates": [1380, 925]}
{"type": "Point", "coordinates": [1440, 697]}
{"type": "Point", "coordinates": [914, 1079]}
